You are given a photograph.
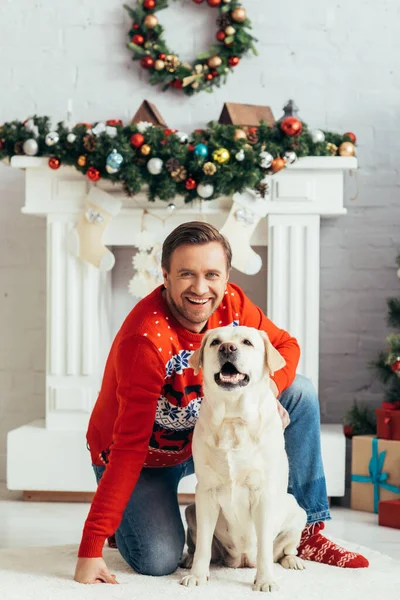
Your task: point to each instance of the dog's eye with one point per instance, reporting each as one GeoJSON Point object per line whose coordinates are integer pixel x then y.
{"type": "Point", "coordinates": [215, 342]}
{"type": "Point", "coordinates": [247, 342]}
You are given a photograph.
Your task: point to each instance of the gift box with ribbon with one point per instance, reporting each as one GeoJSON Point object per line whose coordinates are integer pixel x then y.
{"type": "Point", "coordinates": [389, 513]}
{"type": "Point", "coordinates": [388, 421]}
{"type": "Point", "coordinates": [375, 472]}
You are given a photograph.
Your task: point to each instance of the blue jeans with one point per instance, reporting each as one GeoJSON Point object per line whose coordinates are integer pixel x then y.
{"type": "Point", "coordinates": [151, 535]}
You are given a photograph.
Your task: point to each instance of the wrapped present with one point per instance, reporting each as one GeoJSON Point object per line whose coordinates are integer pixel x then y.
{"type": "Point", "coordinates": [388, 421]}
{"type": "Point", "coordinates": [389, 513]}
{"type": "Point", "coordinates": [375, 472]}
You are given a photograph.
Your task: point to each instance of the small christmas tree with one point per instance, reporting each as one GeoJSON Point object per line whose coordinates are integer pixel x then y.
{"type": "Point", "coordinates": [359, 420]}
{"type": "Point", "coordinates": [388, 363]}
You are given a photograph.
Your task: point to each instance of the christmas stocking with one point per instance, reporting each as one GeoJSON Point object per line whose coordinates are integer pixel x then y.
{"type": "Point", "coordinates": [85, 240]}
{"type": "Point", "coordinates": [247, 210]}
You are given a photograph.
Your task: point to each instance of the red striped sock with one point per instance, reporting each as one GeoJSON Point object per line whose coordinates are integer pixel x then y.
{"type": "Point", "coordinates": [315, 546]}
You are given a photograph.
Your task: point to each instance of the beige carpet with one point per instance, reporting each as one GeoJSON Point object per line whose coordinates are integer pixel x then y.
{"type": "Point", "coordinates": [46, 574]}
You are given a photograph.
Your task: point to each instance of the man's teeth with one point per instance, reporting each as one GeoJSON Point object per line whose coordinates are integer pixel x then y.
{"type": "Point", "coordinates": [197, 301]}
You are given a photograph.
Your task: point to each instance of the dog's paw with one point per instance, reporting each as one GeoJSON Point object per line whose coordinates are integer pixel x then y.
{"type": "Point", "coordinates": [187, 561]}
{"type": "Point", "coordinates": [194, 580]}
{"type": "Point", "coordinates": [292, 562]}
{"type": "Point", "coordinates": [265, 585]}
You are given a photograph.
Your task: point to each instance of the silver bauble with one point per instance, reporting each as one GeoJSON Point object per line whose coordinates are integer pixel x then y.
{"type": "Point", "coordinates": [183, 137]}
{"type": "Point", "coordinates": [240, 156]}
{"type": "Point", "coordinates": [30, 147]}
{"type": "Point", "coordinates": [52, 138]}
{"type": "Point", "coordinates": [71, 137]}
{"type": "Point", "coordinates": [171, 208]}
{"type": "Point", "coordinates": [290, 157]}
{"type": "Point", "coordinates": [317, 136]}
{"type": "Point", "coordinates": [154, 166]}
{"type": "Point", "coordinates": [205, 190]}
{"type": "Point", "coordinates": [265, 160]}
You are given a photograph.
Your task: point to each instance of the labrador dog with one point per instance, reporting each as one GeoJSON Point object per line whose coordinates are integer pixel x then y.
{"type": "Point", "coordinates": [243, 515]}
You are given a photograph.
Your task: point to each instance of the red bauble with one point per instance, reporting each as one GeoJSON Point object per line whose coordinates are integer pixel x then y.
{"type": "Point", "coordinates": [234, 61]}
{"type": "Point", "coordinates": [252, 130]}
{"type": "Point", "coordinates": [209, 76]}
{"type": "Point", "coordinates": [169, 132]}
{"type": "Point", "coordinates": [138, 39]}
{"type": "Point", "coordinates": [291, 126]}
{"type": "Point", "coordinates": [214, 73]}
{"type": "Point", "coordinates": [137, 140]}
{"type": "Point", "coordinates": [177, 84]}
{"type": "Point", "coordinates": [54, 163]}
{"type": "Point", "coordinates": [220, 35]}
{"type": "Point", "coordinates": [396, 366]}
{"type": "Point", "coordinates": [214, 2]}
{"type": "Point", "coordinates": [190, 147]}
{"type": "Point", "coordinates": [348, 431]}
{"type": "Point", "coordinates": [114, 122]}
{"type": "Point", "coordinates": [93, 174]}
{"type": "Point", "coordinates": [149, 4]}
{"type": "Point", "coordinates": [162, 56]}
{"type": "Point", "coordinates": [352, 136]}
{"type": "Point", "coordinates": [135, 26]}
{"type": "Point", "coordinates": [190, 184]}
{"type": "Point", "coordinates": [147, 62]}
{"type": "Point", "coordinates": [198, 1]}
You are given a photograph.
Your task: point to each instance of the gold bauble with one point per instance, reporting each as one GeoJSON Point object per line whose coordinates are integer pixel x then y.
{"type": "Point", "coordinates": [159, 65]}
{"type": "Point", "coordinates": [239, 135]}
{"type": "Point", "coordinates": [150, 21]}
{"type": "Point", "coordinates": [239, 15]}
{"type": "Point", "coordinates": [230, 30]}
{"type": "Point", "coordinates": [81, 161]}
{"type": "Point", "coordinates": [145, 149]}
{"type": "Point", "coordinates": [347, 149]}
{"type": "Point", "coordinates": [221, 156]}
{"type": "Point", "coordinates": [214, 62]}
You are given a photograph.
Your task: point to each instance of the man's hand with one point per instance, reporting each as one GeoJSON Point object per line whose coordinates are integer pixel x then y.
{"type": "Point", "coordinates": [93, 570]}
{"type": "Point", "coordinates": [284, 415]}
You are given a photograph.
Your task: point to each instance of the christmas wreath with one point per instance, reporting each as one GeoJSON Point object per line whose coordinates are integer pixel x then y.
{"type": "Point", "coordinates": [209, 163]}
{"type": "Point", "coordinates": [211, 68]}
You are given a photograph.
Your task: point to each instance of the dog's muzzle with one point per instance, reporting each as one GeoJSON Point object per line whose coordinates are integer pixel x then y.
{"type": "Point", "coordinates": [230, 377]}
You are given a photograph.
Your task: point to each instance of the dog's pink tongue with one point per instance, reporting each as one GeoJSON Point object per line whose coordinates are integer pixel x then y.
{"type": "Point", "coordinates": [232, 378]}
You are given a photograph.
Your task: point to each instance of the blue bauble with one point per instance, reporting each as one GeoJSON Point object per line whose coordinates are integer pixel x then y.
{"type": "Point", "coordinates": [201, 151]}
{"type": "Point", "coordinates": [114, 161]}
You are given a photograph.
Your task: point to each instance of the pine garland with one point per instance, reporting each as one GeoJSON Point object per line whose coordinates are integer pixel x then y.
{"type": "Point", "coordinates": [89, 151]}
{"type": "Point", "coordinates": [147, 43]}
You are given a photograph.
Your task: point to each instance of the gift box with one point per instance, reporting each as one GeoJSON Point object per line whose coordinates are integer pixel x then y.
{"type": "Point", "coordinates": [375, 469]}
{"type": "Point", "coordinates": [388, 424]}
{"type": "Point", "coordinates": [389, 513]}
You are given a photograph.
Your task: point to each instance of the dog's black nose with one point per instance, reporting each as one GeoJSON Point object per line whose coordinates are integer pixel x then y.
{"type": "Point", "coordinates": [228, 348]}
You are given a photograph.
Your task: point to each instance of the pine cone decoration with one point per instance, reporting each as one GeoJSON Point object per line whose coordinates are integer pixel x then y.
{"type": "Point", "coordinates": [262, 189]}
{"type": "Point", "coordinates": [179, 175]}
{"type": "Point", "coordinates": [89, 142]}
{"type": "Point", "coordinates": [252, 138]}
{"type": "Point", "coordinates": [332, 148]}
{"type": "Point", "coordinates": [209, 168]}
{"type": "Point", "coordinates": [18, 147]}
{"type": "Point", "coordinates": [172, 164]}
{"type": "Point", "coordinates": [223, 21]}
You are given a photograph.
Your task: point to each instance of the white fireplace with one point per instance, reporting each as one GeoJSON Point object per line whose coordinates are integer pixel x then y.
{"type": "Point", "coordinates": [50, 454]}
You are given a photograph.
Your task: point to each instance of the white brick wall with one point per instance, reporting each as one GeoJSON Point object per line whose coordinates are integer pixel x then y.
{"type": "Point", "coordinates": [338, 60]}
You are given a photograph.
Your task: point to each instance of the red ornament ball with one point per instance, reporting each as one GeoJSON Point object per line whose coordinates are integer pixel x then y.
{"type": "Point", "coordinates": [234, 61]}
{"type": "Point", "coordinates": [190, 184]}
{"type": "Point", "coordinates": [169, 132]}
{"type": "Point", "coordinates": [214, 2]}
{"type": "Point", "coordinates": [135, 26]}
{"type": "Point", "coordinates": [177, 84]}
{"type": "Point", "coordinates": [162, 56]}
{"type": "Point", "coordinates": [137, 140]}
{"type": "Point", "coordinates": [291, 126]}
{"type": "Point", "coordinates": [138, 39]}
{"type": "Point", "coordinates": [149, 4]}
{"type": "Point", "coordinates": [191, 147]}
{"type": "Point", "coordinates": [352, 136]}
{"type": "Point", "coordinates": [214, 73]}
{"type": "Point", "coordinates": [209, 76]}
{"type": "Point", "coordinates": [54, 163]}
{"type": "Point", "coordinates": [114, 122]}
{"type": "Point", "coordinates": [198, 1]}
{"type": "Point", "coordinates": [396, 366]}
{"type": "Point", "coordinates": [93, 174]}
{"type": "Point", "coordinates": [147, 62]}
{"type": "Point", "coordinates": [220, 35]}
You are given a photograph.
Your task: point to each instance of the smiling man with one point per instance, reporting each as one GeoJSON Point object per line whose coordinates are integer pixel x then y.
{"type": "Point", "coordinates": [141, 427]}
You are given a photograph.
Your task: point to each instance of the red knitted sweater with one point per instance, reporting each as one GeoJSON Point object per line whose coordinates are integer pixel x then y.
{"type": "Point", "coordinates": [150, 399]}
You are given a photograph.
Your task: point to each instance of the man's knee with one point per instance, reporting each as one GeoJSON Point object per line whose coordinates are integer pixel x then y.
{"type": "Point", "coordinates": [305, 393]}
{"type": "Point", "coordinates": [157, 559]}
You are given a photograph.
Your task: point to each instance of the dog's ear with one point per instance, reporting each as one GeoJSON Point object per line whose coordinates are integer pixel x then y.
{"type": "Point", "coordinates": [196, 360]}
{"type": "Point", "coordinates": [273, 359]}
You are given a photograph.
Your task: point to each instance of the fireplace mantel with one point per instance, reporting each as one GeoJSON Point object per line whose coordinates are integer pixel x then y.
{"type": "Point", "coordinates": [78, 296]}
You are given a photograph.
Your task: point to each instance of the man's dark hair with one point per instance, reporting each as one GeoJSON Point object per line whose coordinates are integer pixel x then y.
{"type": "Point", "coordinates": [194, 232]}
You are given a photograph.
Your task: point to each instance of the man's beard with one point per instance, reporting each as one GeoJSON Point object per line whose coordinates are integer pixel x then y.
{"type": "Point", "coordinates": [187, 314]}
